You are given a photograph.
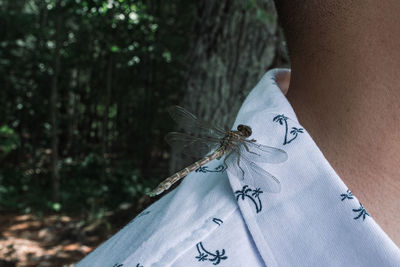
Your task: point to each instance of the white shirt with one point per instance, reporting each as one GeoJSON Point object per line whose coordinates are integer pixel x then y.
{"type": "Point", "coordinates": [215, 218]}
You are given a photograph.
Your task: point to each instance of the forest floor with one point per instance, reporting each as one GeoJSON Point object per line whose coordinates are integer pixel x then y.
{"type": "Point", "coordinates": [56, 240]}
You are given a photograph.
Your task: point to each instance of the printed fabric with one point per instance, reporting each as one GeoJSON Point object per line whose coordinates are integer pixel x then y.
{"type": "Point", "coordinates": [216, 218]}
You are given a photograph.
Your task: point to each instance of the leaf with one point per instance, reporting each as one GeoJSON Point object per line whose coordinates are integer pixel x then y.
{"type": "Point", "coordinates": [114, 49]}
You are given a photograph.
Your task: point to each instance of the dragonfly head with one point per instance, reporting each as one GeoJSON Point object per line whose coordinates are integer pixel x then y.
{"type": "Point", "coordinates": [244, 130]}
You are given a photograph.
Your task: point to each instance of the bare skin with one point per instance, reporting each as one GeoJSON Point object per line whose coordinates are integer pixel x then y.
{"type": "Point", "coordinates": [345, 89]}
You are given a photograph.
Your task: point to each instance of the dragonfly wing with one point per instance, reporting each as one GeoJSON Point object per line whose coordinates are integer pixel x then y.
{"type": "Point", "coordinates": [190, 123]}
{"type": "Point", "coordinates": [273, 184]}
{"type": "Point", "coordinates": [259, 153]}
{"type": "Point", "coordinates": [245, 169]}
{"type": "Point", "coordinates": [191, 145]}
{"type": "Point", "coordinates": [234, 166]}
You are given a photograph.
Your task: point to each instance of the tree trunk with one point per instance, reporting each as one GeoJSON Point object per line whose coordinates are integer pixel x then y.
{"type": "Point", "coordinates": [71, 109]}
{"type": "Point", "coordinates": [109, 80]}
{"type": "Point", "coordinates": [53, 109]}
{"type": "Point", "coordinates": [235, 44]}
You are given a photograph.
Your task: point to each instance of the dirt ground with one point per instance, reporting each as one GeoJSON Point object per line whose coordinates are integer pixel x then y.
{"type": "Point", "coordinates": [55, 240]}
{"type": "Point", "coordinates": [26, 240]}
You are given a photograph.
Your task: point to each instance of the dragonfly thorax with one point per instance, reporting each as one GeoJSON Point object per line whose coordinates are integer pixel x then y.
{"type": "Point", "coordinates": [232, 137]}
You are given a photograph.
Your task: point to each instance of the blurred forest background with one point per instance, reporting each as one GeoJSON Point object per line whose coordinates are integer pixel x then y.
{"type": "Point", "coordinates": [84, 88]}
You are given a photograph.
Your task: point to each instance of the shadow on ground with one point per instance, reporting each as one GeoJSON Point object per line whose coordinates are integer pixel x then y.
{"type": "Point", "coordinates": [57, 240]}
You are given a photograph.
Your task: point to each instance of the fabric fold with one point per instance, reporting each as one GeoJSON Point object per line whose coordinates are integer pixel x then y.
{"type": "Point", "coordinates": [307, 223]}
{"type": "Point", "coordinates": [314, 220]}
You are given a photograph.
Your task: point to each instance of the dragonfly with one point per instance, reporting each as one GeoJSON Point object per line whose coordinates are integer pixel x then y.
{"type": "Point", "coordinates": [202, 139]}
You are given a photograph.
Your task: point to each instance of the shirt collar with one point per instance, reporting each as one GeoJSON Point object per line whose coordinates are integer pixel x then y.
{"type": "Point", "coordinates": [313, 221]}
{"type": "Point", "coordinates": [314, 207]}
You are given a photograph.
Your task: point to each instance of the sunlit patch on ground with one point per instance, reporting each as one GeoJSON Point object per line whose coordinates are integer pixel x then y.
{"type": "Point", "coordinates": [59, 240]}
{"type": "Point", "coordinates": [52, 241]}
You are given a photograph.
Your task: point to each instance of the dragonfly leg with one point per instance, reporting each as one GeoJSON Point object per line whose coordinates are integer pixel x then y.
{"type": "Point", "coordinates": [226, 157]}
{"type": "Point", "coordinates": [238, 163]}
{"type": "Point", "coordinates": [248, 150]}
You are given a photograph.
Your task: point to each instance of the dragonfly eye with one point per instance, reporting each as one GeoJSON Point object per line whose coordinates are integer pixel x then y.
{"type": "Point", "coordinates": [245, 130]}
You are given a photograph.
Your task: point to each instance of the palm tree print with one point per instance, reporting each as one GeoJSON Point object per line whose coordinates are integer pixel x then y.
{"type": "Point", "coordinates": [362, 212]}
{"type": "Point", "coordinates": [120, 265]}
{"type": "Point", "coordinates": [347, 195]}
{"type": "Point", "coordinates": [137, 217]}
{"type": "Point", "coordinates": [242, 193]}
{"type": "Point", "coordinates": [282, 120]}
{"type": "Point", "coordinates": [256, 192]}
{"type": "Point", "coordinates": [143, 213]}
{"type": "Point", "coordinates": [254, 196]}
{"type": "Point", "coordinates": [205, 255]}
{"type": "Point", "coordinates": [217, 221]}
{"type": "Point", "coordinates": [202, 256]}
{"type": "Point", "coordinates": [295, 131]}
{"type": "Point", "coordinates": [204, 169]}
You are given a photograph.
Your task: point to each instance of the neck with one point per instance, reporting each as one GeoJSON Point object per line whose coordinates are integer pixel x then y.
{"type": "Point", "coordinates": [347, 96]}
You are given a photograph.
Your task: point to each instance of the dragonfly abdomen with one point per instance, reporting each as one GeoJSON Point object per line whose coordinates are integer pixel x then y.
{"type": "Point", "coordinates": [167, 183]}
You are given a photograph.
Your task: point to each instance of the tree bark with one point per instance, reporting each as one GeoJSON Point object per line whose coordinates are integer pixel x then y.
{"type": "Point", "coordinates": [53, 109]}
{"type": "Point", "coordinates": [71, 109]}
{"type": "Point", "coordinates": [109, 81]}
{"type": "Point", "coordinates": [235, 43]}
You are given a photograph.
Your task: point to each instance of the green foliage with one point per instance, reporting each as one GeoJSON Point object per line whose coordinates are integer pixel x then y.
{"type": "Point", "coordinates": [121, 65]}
{"type": "Point", "coordinates": [88, 185]}
{"type": "Point", "coordinates": [262, 11]}
{"type": "Point", "coordinates": [9, 140]}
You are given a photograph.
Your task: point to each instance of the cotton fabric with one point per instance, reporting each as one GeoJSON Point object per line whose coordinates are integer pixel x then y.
{"type": "Point", "coordinates": [215, 218]}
